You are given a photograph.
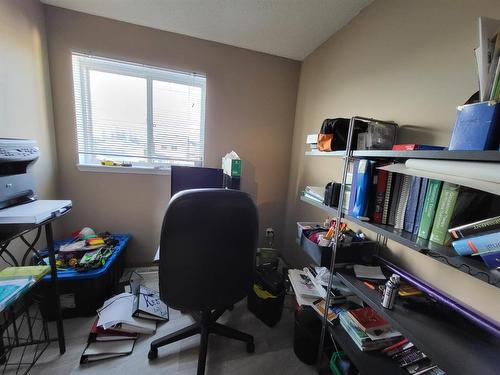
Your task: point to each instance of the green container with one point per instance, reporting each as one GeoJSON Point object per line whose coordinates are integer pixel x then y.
{"type": "Point", "coordinates": [336, 356]}
{"type": "Point", "coordinates": [334, 362]}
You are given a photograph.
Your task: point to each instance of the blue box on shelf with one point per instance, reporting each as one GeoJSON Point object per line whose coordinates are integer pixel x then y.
{"type": "Point", "coordinates": [477, 127]}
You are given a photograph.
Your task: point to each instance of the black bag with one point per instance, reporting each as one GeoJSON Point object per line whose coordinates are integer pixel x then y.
{"type": "Point", "coordinates": [332, 194]}
{"type": "Point", "coordinates": [333, 134]}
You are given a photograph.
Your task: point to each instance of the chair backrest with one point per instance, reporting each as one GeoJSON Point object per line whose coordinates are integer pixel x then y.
{"type": "Point", "coordinates": [207, 249]}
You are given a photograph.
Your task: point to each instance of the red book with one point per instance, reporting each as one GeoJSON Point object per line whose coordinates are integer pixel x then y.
{"type": "Point", "coordinates": [380, 195]}
{"type": "Point", "coordinates": [405, 147]}
{"type": "Point", "coordinates": [101, 334]}
{"type": "Point", "coordinates": [414, 146]}
{"type": "Point", "coordinates": [368, 320]}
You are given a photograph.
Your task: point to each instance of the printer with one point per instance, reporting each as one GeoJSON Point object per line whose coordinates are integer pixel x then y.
{"type": "Point", "coordinates": [17, 183]}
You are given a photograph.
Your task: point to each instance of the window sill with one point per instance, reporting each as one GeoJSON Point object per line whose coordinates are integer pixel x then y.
{"type": "Point", "coordinates": [113, 169]}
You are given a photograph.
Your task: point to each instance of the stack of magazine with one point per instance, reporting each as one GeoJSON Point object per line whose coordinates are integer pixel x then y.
{"type": "Point", "coordinates": [316, 193]}
{"type": "Point", "coordinates": [368, 339]}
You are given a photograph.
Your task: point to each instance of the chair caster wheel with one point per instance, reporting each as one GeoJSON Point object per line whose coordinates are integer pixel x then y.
{"type": "Point", "coordinates": [250, 347]}
{"type": "Point", "coordinates": [153, 354]}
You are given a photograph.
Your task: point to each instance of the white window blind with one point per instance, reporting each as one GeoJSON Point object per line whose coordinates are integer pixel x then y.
{"type": "Point", "coordinates": [146, 116]}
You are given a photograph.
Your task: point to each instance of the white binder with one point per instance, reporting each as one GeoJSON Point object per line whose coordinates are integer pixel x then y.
{"type": "Point", "coordinates": [34, 212]}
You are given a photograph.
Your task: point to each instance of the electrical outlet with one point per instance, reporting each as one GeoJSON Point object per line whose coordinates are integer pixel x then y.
{"type": "Point", "coordinates": [269, 232]}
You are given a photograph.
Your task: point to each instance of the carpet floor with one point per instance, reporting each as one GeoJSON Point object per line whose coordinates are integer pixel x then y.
{"type": "Point", "coordinates": [273, 348]}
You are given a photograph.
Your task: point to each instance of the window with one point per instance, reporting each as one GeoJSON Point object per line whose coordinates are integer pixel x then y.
{"type": "Point", "coordinates": [144, 116]}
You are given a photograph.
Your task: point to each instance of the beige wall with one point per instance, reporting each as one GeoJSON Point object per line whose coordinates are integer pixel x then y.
{"type": "Point", "coordinates": [407, 61]}
{"type": "Point", "coordinates": [25, 99]}
{"type": "Point", "coordinates": [250, 108]}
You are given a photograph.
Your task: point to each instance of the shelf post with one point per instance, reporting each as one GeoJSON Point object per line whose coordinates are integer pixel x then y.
{"type": "Point", "coordinates": [347, 157]}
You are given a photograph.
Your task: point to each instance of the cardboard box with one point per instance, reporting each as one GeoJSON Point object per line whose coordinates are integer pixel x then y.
{"type": "Point", "coordinates": [231, 164]}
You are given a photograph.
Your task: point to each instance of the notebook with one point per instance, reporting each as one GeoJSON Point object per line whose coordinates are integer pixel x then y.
{"type": "Point", "coordinates": [100, 334]}
{"type": "Point", "coordinates": [147, 305]}
{"type": "Point", "coordinates": [37, 272]}
{"type": "Point", "coordinates": [96, 351]}
{"type": "Point", "coordinates": [368, 320]}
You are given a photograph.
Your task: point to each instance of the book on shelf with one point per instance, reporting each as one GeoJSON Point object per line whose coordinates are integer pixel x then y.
{"type": "Point", "coordinates": [444, 212]}
{"type": "Point", "coordinates": [333, 311]}
{"type": "Point", "coordinates": [393, 205]}
{"type": "Point", "coordinates": [381, 188]}
{"type": "Point", "coordinates": [488, 242]}
{"type": "Point", "coordinates": [420, 207]}
{"type": "Point", "coordinates": [361, 338]}
{"type": "Point", "coordinates": [368, 320]}
{"type": "Point", "coordinates": [466, 230]}
{"type": "Point", "coordinates": [473, 205]}
{"type": "Point", "coordinates": [347, 197]}
{"type": "Point", "coordinates": [372, 193]}
{"type": "Point", "coordinates": [420, 367]}
{"type": "Point", "coordinates": [387, 197]}
{"type": "Point", "coordinates": [354, 186]}
{"type": "Point", "coordinates": [476, 127]}
{"type": "Point", "coordinates": [491, 259]}
{"type": "Point", "coordinates": [402, 202]}
{"type": "Point", "coordinates": [363, 184]}
{"type": "Point", "coordinates": [429, 210]}
{"type": "Point", "coordinates": [414, 147]}
{"type": "Point", "coordinates": [412, 205]}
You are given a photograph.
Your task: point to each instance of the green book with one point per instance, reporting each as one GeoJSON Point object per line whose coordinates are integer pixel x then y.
{"type": "Point", "coordinates": [430, 203]}
{"type": "Point", "coordinates": [37, 272]}
{"type": "Point", "coordinates": [444, 212]}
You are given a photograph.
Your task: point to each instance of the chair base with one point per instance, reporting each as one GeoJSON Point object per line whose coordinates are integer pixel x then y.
{"type": "Point", "coordinates": [206, 323]}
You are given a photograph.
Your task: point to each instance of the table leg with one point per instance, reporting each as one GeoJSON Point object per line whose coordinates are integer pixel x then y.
{"type": "Point", "coordinates": [55, 287]}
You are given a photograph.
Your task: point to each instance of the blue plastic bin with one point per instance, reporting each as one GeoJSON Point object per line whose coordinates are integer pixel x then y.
{"type": "Point", "coordinates": [83, 292]}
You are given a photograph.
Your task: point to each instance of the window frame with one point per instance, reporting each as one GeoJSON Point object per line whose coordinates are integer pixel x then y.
{"type": "Point", "coordinates": [87, 158]}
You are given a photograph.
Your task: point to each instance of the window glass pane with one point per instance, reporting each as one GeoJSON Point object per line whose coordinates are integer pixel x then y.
{"type": "Point", "coordinates": [118, 111]}
{"type": "Point", "coordinates": [177, 121]}
{"type": "Point", "coordinates": [137, 114]}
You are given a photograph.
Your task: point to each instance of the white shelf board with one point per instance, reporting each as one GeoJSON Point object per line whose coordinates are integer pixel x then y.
{"type": "Point", "coordinates": [490, 187]}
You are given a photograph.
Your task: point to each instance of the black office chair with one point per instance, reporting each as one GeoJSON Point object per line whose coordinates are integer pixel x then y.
{"type": "Point", "coordinates": [207, 250]}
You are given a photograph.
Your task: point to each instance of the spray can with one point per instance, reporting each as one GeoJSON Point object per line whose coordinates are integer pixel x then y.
{"type": "Point", "coordinates": [390, 292]}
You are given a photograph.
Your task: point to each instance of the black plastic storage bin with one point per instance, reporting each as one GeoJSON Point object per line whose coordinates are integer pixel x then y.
{"type": "Point", "coordinates": [268, 310]}
{"type": "Point", "coordinates": [353, 252]}
{"type": "Point", "coordinates": [81, 294]}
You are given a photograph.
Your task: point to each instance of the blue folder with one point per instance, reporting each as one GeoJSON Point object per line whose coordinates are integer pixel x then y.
{"type": "Point", "coordinates": [477, 127]}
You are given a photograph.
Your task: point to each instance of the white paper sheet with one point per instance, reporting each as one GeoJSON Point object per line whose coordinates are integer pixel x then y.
{"type": "Point", "coordinates": [487, 28]}
{"type": "Point", "coordinates": [368, 272]}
